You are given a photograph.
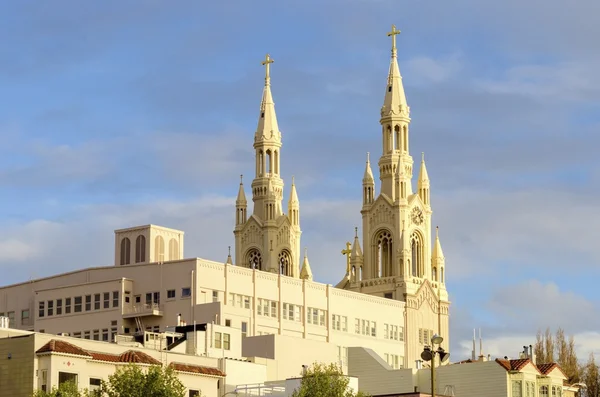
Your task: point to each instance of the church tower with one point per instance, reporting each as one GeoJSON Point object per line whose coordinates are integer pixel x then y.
{"type": "Point", "coordinates": [398, 260]}
{"type": "Point", "coordinates": [269, 239]}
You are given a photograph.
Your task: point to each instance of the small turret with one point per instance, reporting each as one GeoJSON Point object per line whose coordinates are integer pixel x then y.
{"type": "Point", "coordinates": [437, 259]}
{"type": "Point", "coordinates": [356, 258]}
{"type": "Point", "coordinates": [241, 205]}
{"type": "Point", "coordinates": [306, 272]}
{"type": "Point", "coordinates": [423, 184]}
{"type": "Point", "coordinates": [294, 205]}
{"type": "Point", "coordinates": [229, 260]}
{"type": "Point", "coordinates": [368, 184]}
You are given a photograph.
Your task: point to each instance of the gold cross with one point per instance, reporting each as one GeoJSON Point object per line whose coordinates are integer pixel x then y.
{"type": "Point", "coordinates": [393, 33]}
{"type": "Point", "coordinates": [268, 60]}
{"type": "Point", "coordinates": [348, 253]}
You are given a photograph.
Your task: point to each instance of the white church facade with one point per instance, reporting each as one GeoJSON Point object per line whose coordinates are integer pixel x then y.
{"type": "Point", "coordinates": [391, 299]}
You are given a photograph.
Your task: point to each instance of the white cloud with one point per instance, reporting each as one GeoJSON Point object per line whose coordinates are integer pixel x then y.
{"type": "Point", "coordinates": [423, 69]}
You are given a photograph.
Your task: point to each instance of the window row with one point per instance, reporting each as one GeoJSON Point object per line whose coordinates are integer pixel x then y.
{"type": "Point", "coordinates": [315, 316]}
{"type": "Point", "coordinates": [140, 250]}
{"type": "Point", "coordinates": [339, 323]}
{"type": "Point", "coordinates": [242, 301]}
{"type": "Point", "coordinates": [292, 312]}
{"type": "Point", "coordinates": [105, 334]}
{"type": "Point", "coordinates": [222, 341]}
{"type": "Point", "coordinates": [186, 292]}
{"type": "Point", "coordinates": [425, 336]}
{"type": "Point", "coordinates": [529, 391]}
{"type": "Point", "coordinates": [64, 306]}
{"type": "Point", "coordinates": [395, 361]}
{"type": "Point", "coordinates": [265, 307]}
{"type": "Point", "coordinates": [393, 332]}
{"type": "Point", "coordinates": [365, 327]}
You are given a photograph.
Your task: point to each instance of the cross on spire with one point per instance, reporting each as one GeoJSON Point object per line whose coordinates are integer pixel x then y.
{"type": "Point", "coordinates": [393, 33]}
{"type": "Point", "coordinates": [268, 60]}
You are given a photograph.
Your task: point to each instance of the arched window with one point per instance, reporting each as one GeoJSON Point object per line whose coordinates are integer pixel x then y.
{"type": "Point", "coordinates": [398, 137]}
{"type": "Point", "coordinates": [173, 250]}
{"type": "Point", "coordinates": [416, 246]}
{"type": "Point", "coordinates": [140, 249]}
{"type": "Point", "coordinates": [434, 273]}
{"type": "Point", "coordinates": [405, 140]}
{"type": "Point", "coordinates": [254, 259]}
{"type": "Point", "coordinates": [543, 391]}
{"type": "Point", "coordinates": [159, 249]}
{"type": "Point", "coordinates": [285, 263]}
{"type": "Point", "coordinates": [261, 163]}
{"type": "Point", "coordinates": [389, 139]}
{"type": "Point", "coordinates": [442, 275]}
{"type": "Point", "coordinates": [383, 254]}
{"type": "Point", "coordinates": [269, 162]}
{"type": "Point", "coordinates": [276, 161]}
{"type": "Point", "coordinates": [125, 251]}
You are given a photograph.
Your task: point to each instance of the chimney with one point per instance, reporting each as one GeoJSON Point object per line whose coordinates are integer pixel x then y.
{"type": "Point", "coordinates": [532, 355]}
{"type": "Point", "coordinates": [489, 357]}
{"type": "Point", "coordinates": [179, 320]}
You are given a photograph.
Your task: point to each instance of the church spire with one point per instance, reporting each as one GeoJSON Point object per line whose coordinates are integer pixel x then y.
{"type": "Point", "coordinates": [395, 98]}
{"type": "Point", "coordinates": [241, 205]}
{"type": "Point", "coordinates": [267, 122]}
{"type": "Point", "coordinates": [438, 262]}
{"type": "Point", "coordinates": [294, 205]}
{"type": "Point", "coordinates": [306, 272]}
{"type": "Point", "coordinates": [423, 183]}
{"type": "Point", "coordinates": [368, 184]}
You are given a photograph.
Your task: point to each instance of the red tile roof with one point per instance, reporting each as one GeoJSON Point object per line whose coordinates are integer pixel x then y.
{"type": "Point", "coordinates": [514, 365]}
{"type": "Point", "coordinates": [59, 346]}
{"type": "Point", "coordinates": [196, 369]}
{"type": "Point", "coordinates": [545, 369]}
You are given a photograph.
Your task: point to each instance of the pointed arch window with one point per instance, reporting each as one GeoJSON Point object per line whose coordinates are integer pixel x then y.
{"type": "Point", "coordinates": [269, 162]}
{"type": "Point", "coordinates": [442, 275]}
{"type": "Point", "coordinates": [125, 251]}
{"type": "Point", "coordinates": [405, 138]}
{"type": "Point", "coordinates": [254, 259]}
{"type": "Point", "coordinates": [140, 249]}
{"type": "Point", "coordinates": [434, 273]}
{"type": "Point", "coordinates": [398, 138]}
{"type": "Point", "coordinates": [416, 246]}
{"type": "Point", "coordinates": [159, 249]}
{"type": "Point", "coordinates": [285, 263]}
{"type": "Point", "coordinates": [383, 254]}
{"type": "Point", "coordinates": [173, 250]}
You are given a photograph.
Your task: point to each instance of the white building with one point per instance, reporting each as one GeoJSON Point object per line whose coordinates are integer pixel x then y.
{"type": "Point", "coordinates": [392, 298]}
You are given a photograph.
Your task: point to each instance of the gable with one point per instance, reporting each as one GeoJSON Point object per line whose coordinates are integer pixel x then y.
{"type": "Point", "coordinates": [381, 212]}
{"type": "Point", "coordinates": [424, 295]}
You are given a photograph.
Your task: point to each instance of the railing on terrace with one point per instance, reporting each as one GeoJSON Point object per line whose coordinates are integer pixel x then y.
{"type": "Point", "coordinates": [274, 389]}
{"type": "Point", "coordinates": [143, 309]}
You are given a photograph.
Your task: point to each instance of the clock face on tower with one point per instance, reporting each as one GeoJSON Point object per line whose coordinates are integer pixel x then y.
{"type": "Point", "coordinates": [417, 216]}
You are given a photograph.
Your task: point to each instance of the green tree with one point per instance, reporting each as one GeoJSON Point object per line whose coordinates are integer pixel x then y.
{"type": "Point", "coordinates": [591, 377]}
{"type": "Point", "coordinates": [132, 381]}
{"type": "Point", "coordinates": [66, 389]}
{"type": "Point", "coordinates": [566, 357]}
{"type": "Point", "coordinates": [325, 381]}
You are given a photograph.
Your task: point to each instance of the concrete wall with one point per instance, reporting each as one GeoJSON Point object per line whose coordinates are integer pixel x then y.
{"type": "Point", "coordinates": [376, 376]}
{"type": "Point", "coordinates": [17, 372]}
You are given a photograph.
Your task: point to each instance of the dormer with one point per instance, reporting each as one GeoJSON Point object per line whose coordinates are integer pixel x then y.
{"type": "Point", "coordinates": [147, 244]}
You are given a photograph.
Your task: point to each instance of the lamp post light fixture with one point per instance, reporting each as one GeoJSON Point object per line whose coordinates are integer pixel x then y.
{"type": "Point", "coordinates": [429, 354]}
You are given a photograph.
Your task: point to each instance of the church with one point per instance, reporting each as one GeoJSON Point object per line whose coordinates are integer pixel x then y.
{"type": "Point", "coordinates": [391, 298]}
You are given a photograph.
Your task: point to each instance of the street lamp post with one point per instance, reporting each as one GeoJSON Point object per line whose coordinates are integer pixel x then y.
{"type": "Point", "coordinates": [429, 354]}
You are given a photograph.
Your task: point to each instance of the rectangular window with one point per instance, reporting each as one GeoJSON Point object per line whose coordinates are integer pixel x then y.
{"type": "Point", "coordinates": [194, 393]}
{"type": "Point", "coordinates": [171, 294]}
{"type": "Point", "coordinates": [67, 305]}
{"type": "Point", "coordinates": [24, 315]}
{"type": "Point", "coordinates": [357, 326]}
{"type": "Point", "coordinates": [259, 307]}
{"type": "Point", "coordinates": [215, 296]}
{"type": "Point", "coordinates": [64, 377]}
{"type": "Point", "coordinates": [96, 334]}
{"type": "Point", "coordinates": [186, 292]}
{"type": "Point", "coordinates": [386, 334]}
{"type": "Point", "coordinates": [115, 298]}
{"type": "Point", "coordinates": [238, 300]}
{"type": "Point", "coordinates": [113, 333]}
{"type": "Point", "coordinates": [138, 298]}
{"type": "Point", "coordinates": [297, 313]}
{"type": "Point", "coordinates": [273, 309]}
{"type": "Point", "coordinates": [106, 300]}
{"type": "Point", "coordinates": [77, 307]}
{"type": "Point", "coordinates": [88, 303]}
{"type": "Point", "coordinates": [217, 340]}
{"type": "Point", "coordinates": [265, 307]}
{"type": "Point", "coordinates": [50, 308]}
{"type": "Point", "coordinates": [58, 307]}
{"type": "Point", "coordinates": [226, 338]}
{"type": "Point", "coordinates": [105, 334]}
{"type": "Point", "coordinates": [373, 329]}
{"type": "Point", "coordinates": [95, 386]}
{"type": "Point", "coordinates": [244, 329]}
{"type": "Point", "coordinates": [228, 323]}
{"type": "Point", "coordinates": [76, 334]}
{"type": "Point", "coordinates": [86, 335]}
{"type": "Point", "coordinates": [517, 390]}
{"type": "Point", "coordinates": [11, 319]}
{"type": "Point", "coordinates": [96, 301]}
{"type": "Point", "coordinates": [231, 300]}
{"type": "Point", "coordinates": [246, 302]}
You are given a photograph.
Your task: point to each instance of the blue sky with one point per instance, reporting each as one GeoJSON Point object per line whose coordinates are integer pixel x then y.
{"type": "Point", "coordinates": [119, 113]}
